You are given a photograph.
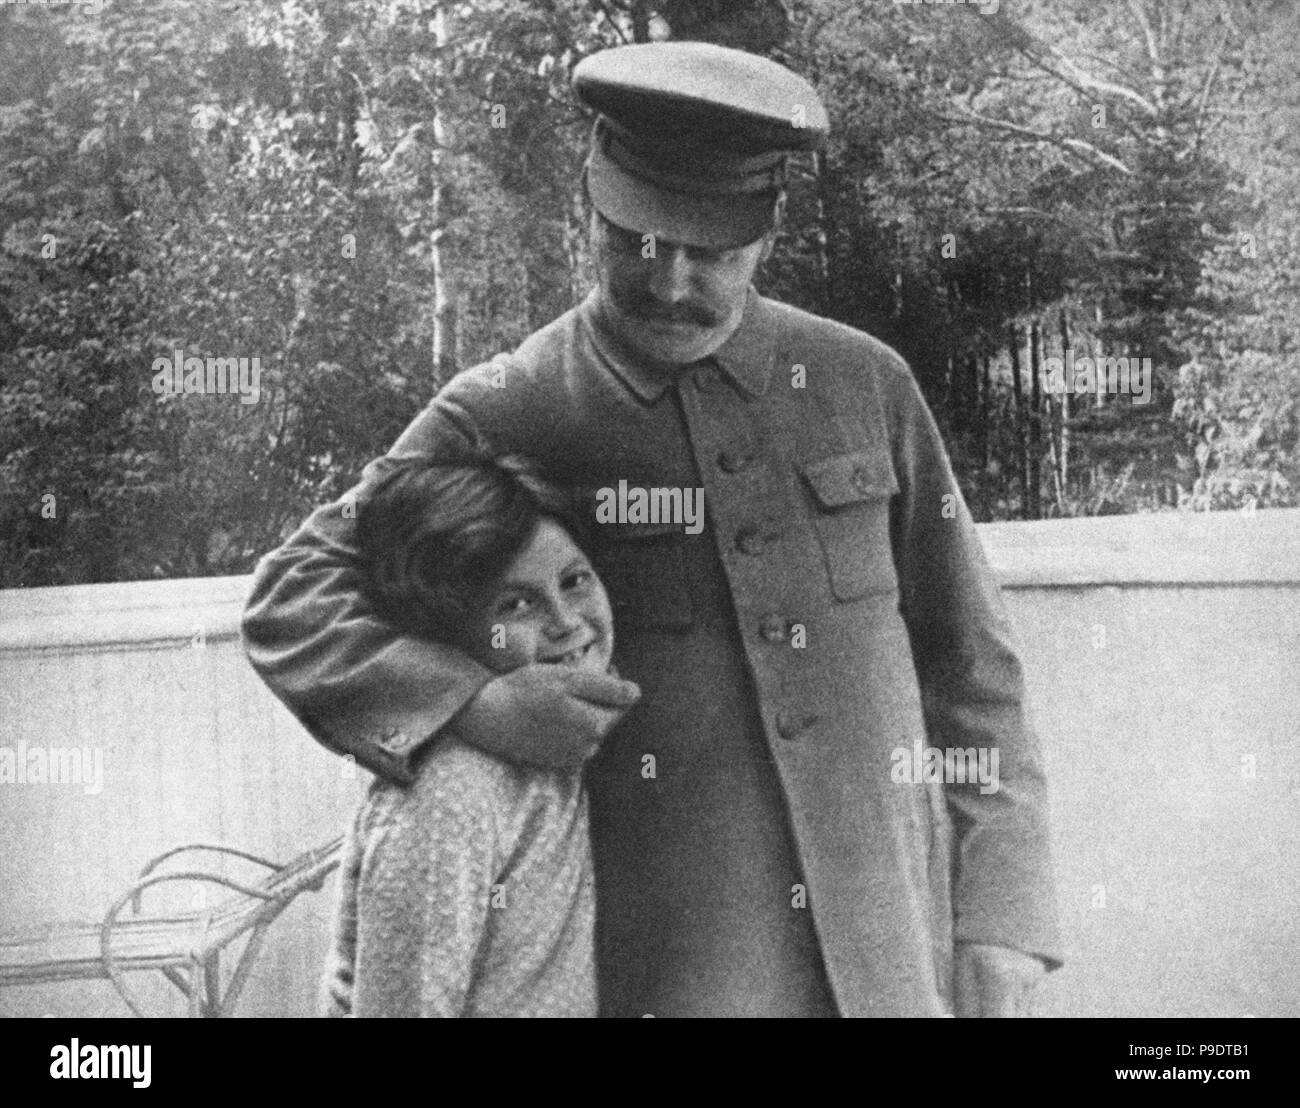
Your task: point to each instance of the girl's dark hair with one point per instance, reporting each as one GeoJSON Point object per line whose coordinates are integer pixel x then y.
{"type": "Point", "coordinates": [435, 536]}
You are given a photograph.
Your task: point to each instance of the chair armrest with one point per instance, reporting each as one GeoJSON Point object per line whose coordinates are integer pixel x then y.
{"type": "Point", "coordinates": [132, 896]}
{"type": "Point", "coordinates": [215, 848]}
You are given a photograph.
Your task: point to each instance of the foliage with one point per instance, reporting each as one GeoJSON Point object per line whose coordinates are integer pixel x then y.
{"type": "Point", "coordinates": [367, 195]}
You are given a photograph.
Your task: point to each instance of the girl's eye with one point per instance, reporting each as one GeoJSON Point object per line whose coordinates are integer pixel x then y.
{"type": "Point", "coordinates": [578, 579]}
{"type": "Point", "coordinates": [512, 605]}
{"type": "Point", "coordinates": [707, 254]}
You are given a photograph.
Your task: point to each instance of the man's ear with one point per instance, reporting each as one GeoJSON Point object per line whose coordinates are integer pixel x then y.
{"type": "Point", "coordinates": [586, 189]}
{"type": "Point", "coordinates": [778, 212]}
{"type": "Point", "coordinates": [778, 215]}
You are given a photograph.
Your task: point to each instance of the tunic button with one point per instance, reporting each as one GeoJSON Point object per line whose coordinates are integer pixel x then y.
{"type": "Point", "coordinates": [792, 725]}
{"type": "Point", "coordinates": [755, 538]}
{"type": "Point", "coordinates": [861, 481]}
{"type": "Point", "coordinates": [395, 741]}
{"type": "Point", "coordinates": [750, 541]}
{"type": "Point", "coordinates": [773, 628]}
{"type": "Point", "coordinates": [733, 461]}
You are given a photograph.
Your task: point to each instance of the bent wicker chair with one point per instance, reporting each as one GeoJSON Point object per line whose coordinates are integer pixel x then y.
{"type": "Point", "coordinates": [186, 947]}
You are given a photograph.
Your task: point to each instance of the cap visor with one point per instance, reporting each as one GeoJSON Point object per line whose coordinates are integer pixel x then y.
{"type": "Point", "coordinates": [716, 222]}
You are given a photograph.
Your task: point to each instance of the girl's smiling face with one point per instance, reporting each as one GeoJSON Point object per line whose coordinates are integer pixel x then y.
{"type": "Point", "coordinates": [549, 606]}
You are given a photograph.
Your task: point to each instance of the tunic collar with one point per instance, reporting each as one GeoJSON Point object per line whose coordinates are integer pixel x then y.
{"type": "Point", "coordinates": [745, 358]}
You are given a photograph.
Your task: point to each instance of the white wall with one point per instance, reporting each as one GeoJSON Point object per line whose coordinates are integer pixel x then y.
{"type": "Point", "coordinates": [1163, 656]}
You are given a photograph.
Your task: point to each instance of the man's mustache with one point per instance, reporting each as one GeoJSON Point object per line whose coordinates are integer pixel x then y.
{"type": "Point", "coordinates": [649, 310]}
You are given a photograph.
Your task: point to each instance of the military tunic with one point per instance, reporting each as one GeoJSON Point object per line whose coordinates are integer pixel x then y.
{"type": "Point", "coordinates": [835, 608]}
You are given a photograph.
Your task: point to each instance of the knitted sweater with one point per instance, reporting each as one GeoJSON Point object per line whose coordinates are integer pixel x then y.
{"type": "Point", "coordinates": [468, 893]}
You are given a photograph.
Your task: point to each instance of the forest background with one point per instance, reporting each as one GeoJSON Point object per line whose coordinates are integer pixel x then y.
{"type": "Point", "coordinates": [367, 195]}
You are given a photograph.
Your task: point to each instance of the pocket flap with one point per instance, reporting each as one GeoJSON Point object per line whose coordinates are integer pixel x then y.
{"type": "Point", "coordinates": [842, 479]}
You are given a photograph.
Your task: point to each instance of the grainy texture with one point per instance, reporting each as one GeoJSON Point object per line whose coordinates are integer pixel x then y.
{"type": "Point", "coordinates": [1139, 736]}
{"type": "Point", "coordinates": [468, 893]}
{"type": "Point", "coordinates": [771, 823]}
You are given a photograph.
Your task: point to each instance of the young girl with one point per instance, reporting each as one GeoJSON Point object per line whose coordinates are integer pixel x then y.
{"type": "Point", "coordinates": [469, 893]}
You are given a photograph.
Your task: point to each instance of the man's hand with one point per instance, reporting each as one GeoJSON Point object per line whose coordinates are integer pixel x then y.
{"type": "Point", "coordinates": [545, 715]}
{"type": "Point", "coordinates": [994, 981]}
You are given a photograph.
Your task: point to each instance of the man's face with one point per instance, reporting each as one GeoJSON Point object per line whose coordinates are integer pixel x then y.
{"type": "Point", "coordinates": [669, 303]}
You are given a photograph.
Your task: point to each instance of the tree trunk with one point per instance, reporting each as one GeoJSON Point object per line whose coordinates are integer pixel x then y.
{"type": "Point", "coordinates": [640, 21]}
{"type": "Point", "coordinates": [1022, 451]}
{"type": "Point", "coordinates": [444, 297]}
{"type": "Point", "coordinates": [575, 246]}
{"type": "Point", "coordinates": [952, 363]}
{"type": "Point", "coordinates": [985, 386]}
{"type": "Point", "coordinates": [820, 238]}
{"type": "Point", "coordinates": [1063, 467]}
{"type": "Point", "coordinates": [971, 390]}
{"type": "Point", "coordinates": [1100, 391]}
{"type": "Point", "coordinates": [1035, 424]}
{"type": "Point", "coordinates": [349, 115]}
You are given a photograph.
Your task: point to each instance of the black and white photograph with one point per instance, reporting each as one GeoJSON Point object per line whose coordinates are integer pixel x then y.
{"type": "Point", "coordinates": [650, 509]}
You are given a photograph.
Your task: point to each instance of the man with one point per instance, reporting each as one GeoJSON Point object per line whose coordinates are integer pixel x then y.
{"type": "Point", "coordinates": [757, 850]}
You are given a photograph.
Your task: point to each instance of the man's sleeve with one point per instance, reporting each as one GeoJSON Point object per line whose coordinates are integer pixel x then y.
{"type": "Point", "coordinates": [972, 692]}
{"type": "Point", "coordinates": [356, 684]}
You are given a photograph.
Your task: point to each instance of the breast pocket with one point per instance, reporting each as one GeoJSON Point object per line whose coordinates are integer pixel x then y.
{"type": "Point", "coordinates": [643, 567]}
{"type": "Point", "coordinates": [851, 495]}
